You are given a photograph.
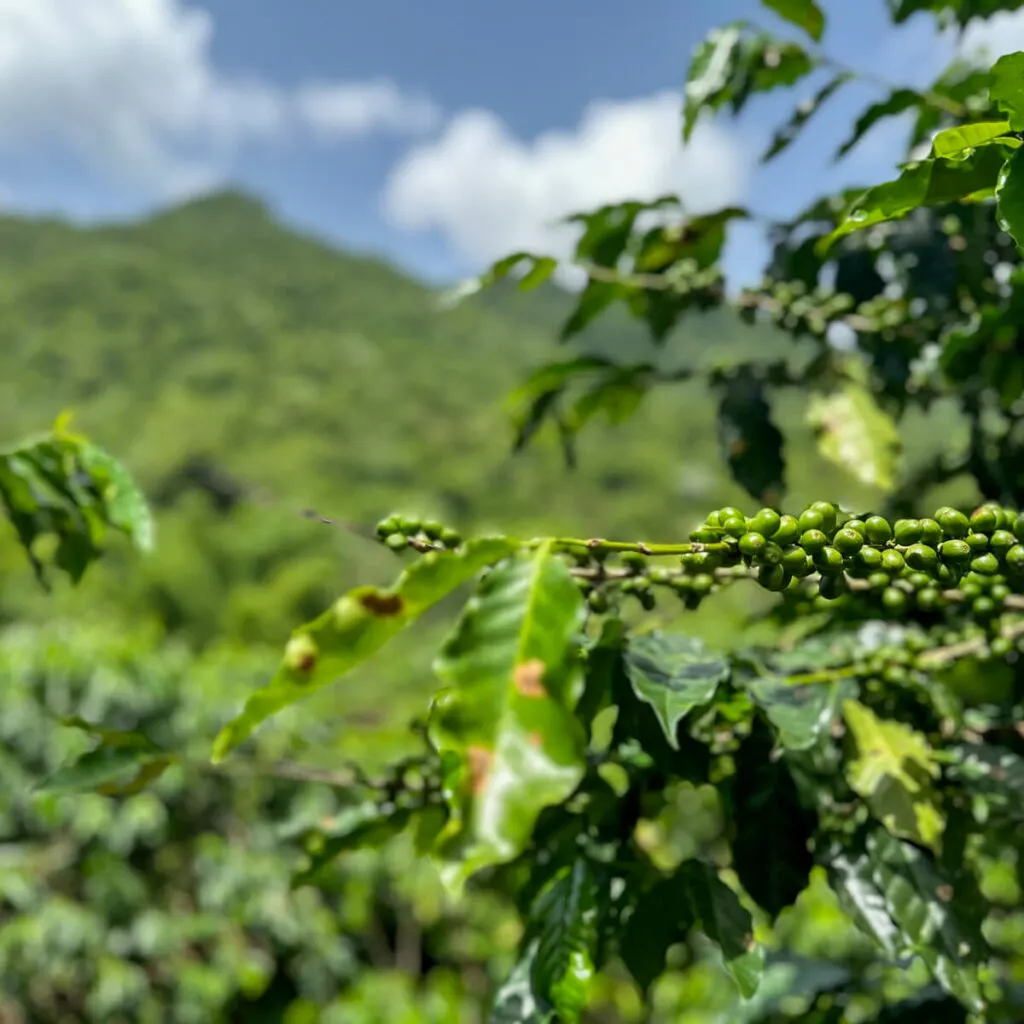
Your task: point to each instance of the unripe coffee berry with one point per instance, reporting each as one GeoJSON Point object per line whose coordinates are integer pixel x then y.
{"type": "Point", "coordinates": [985, 519]}
{"type": "Point", "coordinates": [893, 562]}
{"type": "Point", "coordinates": [797, 562]}
{"type": "Point", "coordinates": [766, 522]}
{"type": "Point", "coordinates": [921, 557]}
{"type": "Point", "coordinates": [977, 542]}
{"type": "Point", "coordinates": [907, 531]}
{"type": "Point", "coordinates": [956, 552]}
{"type": "Point", "coordinates": [397, 541]}
{"type": "Point", "coordinates": [735, 526]}
{"type": "Point", "coordinates": [848, 541]}
{"type": "Point", "coordinates": [1015, 558]}
{"type": "Point", "coordinates": [788, 531]}
{"type": "Point", "coordinates": [954, 523]}
{"type": "Point", "coordinates": [1000, 542]}
{"type": "Point", "coordinates": [931, 533]}
{"type": "Point", "coordinates": [986, 565]}
{"type": "Point", "coordinates": [773, 577]}
{"type": "Point", "coordinates": [829, 560]}
{"type": "Point", "coordinates": [869, 558]}
{"type": "Point", "coordinates": [752, 544]}
{"type": "Point", "coordinates": [877, 530]}
{"type": "Point", "coordinates": [829, 514]}
{"type": "Point", "coordinates": [894, 600]}
{"type": "Point", "coordinates": [812, 540]}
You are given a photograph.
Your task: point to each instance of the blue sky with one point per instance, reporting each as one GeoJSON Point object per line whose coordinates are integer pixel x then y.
{"type": "Point", "coordinates": [439, 134]}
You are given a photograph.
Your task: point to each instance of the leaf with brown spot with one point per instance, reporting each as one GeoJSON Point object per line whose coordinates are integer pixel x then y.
{"type": "Point", "coordinates": [358, 625]}
{"type": "Point", "coordinates": [520, 627]}
{"type": "Point", "coordinates": [528, 678]}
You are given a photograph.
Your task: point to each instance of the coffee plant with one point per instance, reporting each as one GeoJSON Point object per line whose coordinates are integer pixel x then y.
{"type": "Point", "coordinates": [878, 738]}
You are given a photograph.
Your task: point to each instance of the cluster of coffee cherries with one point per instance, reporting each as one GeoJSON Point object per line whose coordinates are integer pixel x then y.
{"type": "Point", "coordinates": [401, 532]}
{"type": "Point", "coordinates": [982, 554]}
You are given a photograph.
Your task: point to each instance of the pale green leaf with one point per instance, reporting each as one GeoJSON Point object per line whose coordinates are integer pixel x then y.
{"type": "Point", "coordinates": [857, 435]}
{"type": "Point", "coordinates": [894, 771]}
{"type": "Point", "coordinates": [503, 724]}
{"type": "Point", "coordinates": [358, 625]}
{"type": "Point", "coordinates": [952, 142]}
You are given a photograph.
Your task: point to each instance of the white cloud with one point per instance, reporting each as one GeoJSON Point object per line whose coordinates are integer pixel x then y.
{"type": "Point", "coordinates": [491, 193]}
{"type": "Point", "coordinates": [1003, 33]}
{"type": "Point", "coordinates": [355, 108]}
{"type": "Point", "coordinates": [130, 86]}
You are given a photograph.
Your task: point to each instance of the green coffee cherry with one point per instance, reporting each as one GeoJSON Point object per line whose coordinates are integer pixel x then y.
{"type": "Point", "coordinates": [706, 535]}
{"type": "Point", "coordinates": [894, 600]}
{"type": "Point", "coordinates": [1018, 526]}
{"type": "Point", "coordinates": [771, 554]}
{"type": "Point", "coordinates": [877, 530]}
{"type": "Point", "coordinates": [931, 533]}
{"type": "Point", "coordinates": [1015, 558]}
{"type": "Point", "coordinates": [409, 525]}
{"type": "Point", "coordinates": [702, 583]}
{"type": "Point", "coordinates": [954, 523]}
{"type": "Point", "coordinates": [928, 598]}
{"type": "Point", "coordinates": [856, 524]}
{"type": "Point", "coordinates": [829, 560]}
{"type": "Point", "coordinates": [713, 519]}
{"type": "Point", "coordinates": [766, 522]}
{"type": "Point", "coordinates": [1000, 542]}
{"type": "Point", "coordinates": [922, 557]}
{"type": "Point", "coordinates": [893, 562]}
{"type": "Point", "coordinates": [450, 538]}
{"type": "Point", "coordinates": [752, 544]}
{"type": "Point", "coordinates": [848, 541]}
{"type": "Point", "coordinates": [869, 558]}
{"type": "Point", "coordinates": [985, 519]}
{"type": "Point", "coordinates": [829, 514]}
{"type": "Point", "coordinates": [773, 577]}
{"type": "Point", "coordinates": [433, 529]}
{"type": "Point", "coordinates": [985, 565]}
{"type": "Point", "coordinates": [397, 541]}
{"type": "Point", "coordinates": [879, 580]}
{"type": "Point", "coordinates": [387, 526]}
{"type": "Point", "coordinates": [812, 540]}
{"type": "Point", "coordinates": [788, 531]}
{"type": "Point", "coordinates": [735, 526]}
{"type": "Point", "coordinates": [832, 587]}
{"type": "Point", "coordinates": [955, 552]}
{"type": "Point", "coordinates": [907, 531]}
{"type": "Point", "coordinates": [797, 562]}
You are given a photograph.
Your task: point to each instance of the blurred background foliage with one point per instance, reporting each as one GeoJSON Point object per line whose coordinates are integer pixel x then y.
{"type": "Point", "coordinates": [245, 374]}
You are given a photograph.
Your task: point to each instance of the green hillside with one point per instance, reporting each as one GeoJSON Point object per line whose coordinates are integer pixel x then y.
{"type": "Point", "coordinates": [245, 372]}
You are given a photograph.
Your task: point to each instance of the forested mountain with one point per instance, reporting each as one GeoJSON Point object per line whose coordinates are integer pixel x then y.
{"type": "Point", "coordinates": [245, 372]}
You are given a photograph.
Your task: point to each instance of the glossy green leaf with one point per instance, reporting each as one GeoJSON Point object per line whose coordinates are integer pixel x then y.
{"type": "Point", "coordinates": [800, 713]}
{"type": "Point", "coordinates": [896, 103]}
{"type": "Point", "coordinates": [726, 923]}
{"type": "Point", "coordinates": [503, 724]}
{"type": "Point", "coordinates": [993, 773]}
{"type": "Point", "coordinates": [1010, 197]}
{"type": "Point", "coordinates": [66, 488]}
{"type": "Point", "coordinates": [894, 771]}
{"type": "Point", "coordinates": [805, 14]}
{"type": "Point", "coordinates": [897, 895]}
{"type": "Point", "coordinates": [728, 68]}
{"type": "Point", "coordinates": [515, 1002]}
{"type": "Point", "coordinates": [673, 674]}
{"type": "Point", "coordinates": [750, 441]}
{"type": "Point", "coordinates": [566, 921]}
{"type": "Point", "coordinates": [952, 142]}
{"type": "Point", "coordinates": [1006, 88]}
{"type": "Point", "coordinates": [358, 625]}
{"type": "Point", "coordinates": [971, 178]}
{"type": "Point", "coordinates": [771, 847]}
{"type": "Point", "coordinates": [856, 434]}
{"type": "Point", "coordinates": [805, 110]}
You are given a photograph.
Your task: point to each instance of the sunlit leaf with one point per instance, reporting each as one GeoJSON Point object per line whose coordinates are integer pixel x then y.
{"type": "Point", "coordinates": [800, 713]}
{"type": "Point", "coordinates": [856, 434]}
{"type": "Point", "coordinates": [995, 773]}
{"type": "Point", "coordinates": [566, 922]}
{"type": "Point", "coordinates": [673, 674]}
{"type": "Point", "coordinates": [899, 897]}
{"type": "Point", "coordinates": [514, 1002]}
{"type": "Point", "coordinates": [1010, 197]}
{"type": "Point", "coordinates": [805, 14]}
{"type": "Point", "coordinates": [728, 68]}
{"type": "Point", "coordinates": [971, 178]}
{"type": "Point", "coordinates": [952, 142]}
{"type": "Point", "coordinates": [895, 772]}
{"type": "Point", "coordinates": [1006, 88]}
{"type": "Point", "coordinates": [358, 625]}
{"type": "Point", "coordinates": [503, 722]}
